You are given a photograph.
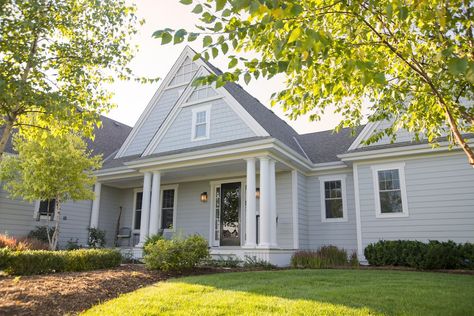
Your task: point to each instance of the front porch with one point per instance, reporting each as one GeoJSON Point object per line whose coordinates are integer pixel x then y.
{"type": "Point", "coordinates": [242, 206]}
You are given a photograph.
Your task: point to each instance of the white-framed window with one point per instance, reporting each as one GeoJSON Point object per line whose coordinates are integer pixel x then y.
{"type": "Point", "coordinates": [169, 200]}
{"type": "Point", "coordinates": [333, 198]}
{"type": "Point", "coordinates": [45, 209]}
{"type": "Point", "coordinates": [137, 209]}
{"type": "Point", "coordinates": [201, 122]}
{"type": "Point", "coordinates": [390, 190]}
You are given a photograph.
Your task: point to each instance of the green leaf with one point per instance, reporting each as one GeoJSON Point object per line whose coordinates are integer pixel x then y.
{"type": "Point", "coordinates": [457, 66]}
{"type": "Point", "coordinates": [470, 73]}
{"type": "Point", "coordinates": [197, 9]}
{"type": "Point", "coordinates": [233, 63]}
{"type": "Point", "coordinates": [215, 52]}
{"type": "Point", "coordinates": [207, 40]}
{"type": "Point", "coordinates": [220, 4]}
{"type": "Point", "coordinates": [247, 78]}
{"type": "Point", "coordinates": [295, 34]}
{"type": "Point", "coordinates": [192, 37]}
{"type": "Point", "coordinates": [166, 38]}
{"type": "Point", "coordinates": [224, 48]}
{"type": "Point", "coordinates": [179, 36]}
{"type": "Point", "coordinates": [403, 13]}
{"type": "Point", "coordinates": [186, 1]}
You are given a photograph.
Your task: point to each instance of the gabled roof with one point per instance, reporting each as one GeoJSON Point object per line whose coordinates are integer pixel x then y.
{"type": "Point", "coordinates": [108, 138]}
{"type": "Point", "coordinates": [275, 126]}
{"type": "Point", "coordinates": [324, 146]}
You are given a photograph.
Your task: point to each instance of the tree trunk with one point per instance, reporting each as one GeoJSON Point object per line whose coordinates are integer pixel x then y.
{"type": "Point", "coordinates": [458, 137]}
{"type": "Point", "coordinates": [7, 131]}
{"type": "Point", "coordinates": [57, 217]}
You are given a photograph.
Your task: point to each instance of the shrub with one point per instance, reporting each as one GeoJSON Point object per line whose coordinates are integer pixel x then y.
{"type": "Point", "coordinates": [256, 263]}
{"type": "Point", "coordinates": [176, 254]}
{"type": "Point", "coordinates": [73, 244]}
{"type": "Point", "coordinates": [41, 233]}
{"type": "Point", "coordinates": [22, 243]}
{"type": "Point", "coordinates": [96, 238]}
{"type": "Point", "coordinates": [324, 257]}
{"type": "Point", "coordinates": [419, 255]}
{"type": "Point", "coordinates": [151, 240]}
{"type": "Point", "coordinates": [224, 262]}
{"type": "Point", "coordinates": [30, 262]}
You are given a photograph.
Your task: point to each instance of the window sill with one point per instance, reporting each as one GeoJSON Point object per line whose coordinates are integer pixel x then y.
{"type": "Point", "coordinates": [391, 215]}
{"type": "Point", "coordinates": [334, 220]}
{"type": "Point", "coordinates": [199, 139]}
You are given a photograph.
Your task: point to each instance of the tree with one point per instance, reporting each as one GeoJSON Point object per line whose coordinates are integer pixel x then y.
{"type": "Point", "coordinates": [411, 61]}
{"type": "Point", "coordinates": [50, 167]}
{"type": "Point", "coordinates": [56, 58]}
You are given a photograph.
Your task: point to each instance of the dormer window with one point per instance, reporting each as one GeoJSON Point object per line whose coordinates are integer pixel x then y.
{"type": "Point", "coordinates": [201, 123]}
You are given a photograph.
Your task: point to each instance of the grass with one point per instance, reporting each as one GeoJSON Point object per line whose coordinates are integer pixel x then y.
{"type": "Point", "coordinates": [301, 292]}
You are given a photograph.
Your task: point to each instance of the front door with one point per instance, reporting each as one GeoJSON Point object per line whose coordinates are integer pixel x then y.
{"type": "Point", "coordinates": [230, 214]}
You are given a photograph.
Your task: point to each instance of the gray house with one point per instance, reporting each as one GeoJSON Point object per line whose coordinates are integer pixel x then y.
{"type": "Point", "coordinates": [216, 162]}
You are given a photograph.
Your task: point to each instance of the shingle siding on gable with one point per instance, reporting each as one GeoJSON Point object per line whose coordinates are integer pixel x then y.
{"type": "Point", "coordinates": [153, 121]}
{"type": "Point", "coordinates": [402, 135]}
{"type": "Point", "coordinates": [226, 125]}
{"type": "Point", "coordinates": [440, 194]}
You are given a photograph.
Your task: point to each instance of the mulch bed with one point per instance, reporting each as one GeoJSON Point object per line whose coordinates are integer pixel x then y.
{"type": "Point", "coordinates": [73, 292]}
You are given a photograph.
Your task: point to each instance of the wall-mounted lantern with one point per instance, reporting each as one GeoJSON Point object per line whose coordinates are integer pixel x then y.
{"type": "Point", "coordinates": [204, 197]}
{"type": "Point", "coordinates": [257, 193]}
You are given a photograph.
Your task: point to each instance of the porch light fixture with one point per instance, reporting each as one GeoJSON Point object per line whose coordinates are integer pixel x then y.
{"type": "Point", "coordinates": [257, 193]}
{"type": "Point", "coordinates": [204, 197]}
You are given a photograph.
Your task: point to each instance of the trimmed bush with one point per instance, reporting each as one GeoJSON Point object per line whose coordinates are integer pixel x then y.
{"type": "Point", "coordinates": [176, 254]}
{"type": "Point", "coordinates": [30, 262]}
{"type": "Point", "coordinates": [419, 255]}
{"type": "Point", "coordinates": [151, 240]}
{"type": "Point", "coordinates": [324, 257]}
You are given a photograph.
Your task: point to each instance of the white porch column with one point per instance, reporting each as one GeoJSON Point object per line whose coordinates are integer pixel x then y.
{"type": "Point", "coordinates": [155, 203]}
{"type": "Point", "coordinates": [95, 206]}
{"type": "Point", "coordinates": [265, 203]}
{"type": "Point", "coordinates": [273, 214]}
{"type": "Point", "coordinates": [145, 219]}
{"type": "Point", "coordinates": [250, 216]}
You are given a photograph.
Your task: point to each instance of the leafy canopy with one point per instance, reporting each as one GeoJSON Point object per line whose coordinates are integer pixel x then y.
{"type": "Point", "coordinates": [57, 56]}
{"type": "Point", "coordinates": [49, 167]}
{"type": "Point", "coordinates": [411, 61]}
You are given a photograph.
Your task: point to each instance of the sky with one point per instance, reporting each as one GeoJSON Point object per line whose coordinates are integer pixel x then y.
{"type": "Point", "coordinates": [154, 60]}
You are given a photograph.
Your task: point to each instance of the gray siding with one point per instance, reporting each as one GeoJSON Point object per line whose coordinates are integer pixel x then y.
{"type": "Point", "coordinates": [16, 219]}
{"type": "Point", "coordinates": [402, 135]}
{"type": "Point", "coordinates": [225, 125]}
{"type": "Point", "coordinates": [440, 194]}
{"type": "Point", "coordinates": [110, 203]}
{"type": "Point", "coordinates": [340, 234]}
{"type": "Point", "coordinates": [153, 121]}
{"type": "Point", "coordinates": [302, 213]}
{"type": "Point", "coordinates": [284, 210]}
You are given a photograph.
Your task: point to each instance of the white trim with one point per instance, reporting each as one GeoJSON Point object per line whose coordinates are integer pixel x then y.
{"type": "Point", "coordinates": [215, 244]}
{"type": "Point", "coordinates": [209, 99]}
{"type": "Point", "coordinates": [187, 52]}
{"type": "Point", "coordinates": [368, 130]}
{"type": "Point", "coordinates": [360, 251]}
{"type": "Point", "coordinates": [322, 180]}
{"type": "Point", "coordinates": [175, 206]}
{"type": "Point", "coordinates": [132, 226]}
{"type": "Point", "coordinates": [401, 172]}
{"type": "Point", "coordinates": [204, 108]}
{"type": "Point", "coordinates": [294, 196]}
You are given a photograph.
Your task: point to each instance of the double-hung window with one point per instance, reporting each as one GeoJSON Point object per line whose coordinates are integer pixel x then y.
{"type": "Point", "coordinates": [333, 198]}
{"type": "Point", "coordinates": [389, 190]}
{"type": "Point", "coordinates": [201, 123]}
{"type": "Point", "coordinates": [45, 209]}
{"type": "Point", "coordinates": [168, 207]}
{"type": "Point", "coordinates": [138, 210]}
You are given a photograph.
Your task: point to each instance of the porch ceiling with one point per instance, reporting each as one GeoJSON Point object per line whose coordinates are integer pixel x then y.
{"type": "Point", "coordinates": [192, 173]}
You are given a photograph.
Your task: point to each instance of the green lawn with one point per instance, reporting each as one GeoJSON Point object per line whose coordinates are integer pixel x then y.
{"type": "Point", "coordinates": [302, 292]}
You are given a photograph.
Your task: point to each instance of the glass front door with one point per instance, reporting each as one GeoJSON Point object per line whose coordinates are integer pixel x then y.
{"type": "Point", "coordinates": [229, 205]}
